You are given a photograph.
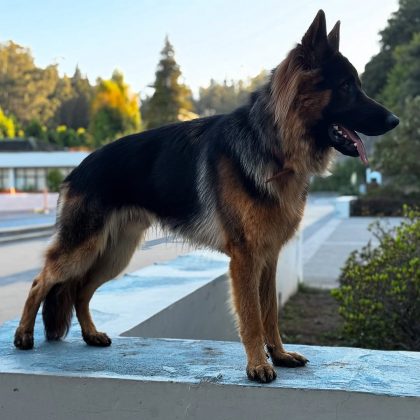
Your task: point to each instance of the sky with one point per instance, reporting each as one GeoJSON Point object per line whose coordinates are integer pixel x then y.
{"type": "Point", "coordinates": [212, 38]}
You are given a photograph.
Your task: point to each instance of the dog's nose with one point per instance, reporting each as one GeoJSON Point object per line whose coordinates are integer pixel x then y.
{"type": "Point", "coordinates": [392, 121]}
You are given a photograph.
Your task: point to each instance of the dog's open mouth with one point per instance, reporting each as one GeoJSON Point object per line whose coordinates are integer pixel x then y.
{"type": "Point", "coordinates": [347, 142]}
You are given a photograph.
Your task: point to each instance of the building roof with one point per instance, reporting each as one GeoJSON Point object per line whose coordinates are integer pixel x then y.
{"type": "Point", "coordinates": [41, 159]}
{"type": "Point", "coordinates": [27, 145]}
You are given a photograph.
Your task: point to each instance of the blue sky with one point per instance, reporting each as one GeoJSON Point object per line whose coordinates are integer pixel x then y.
{"type": "Point", "coordinates": [212, 39]}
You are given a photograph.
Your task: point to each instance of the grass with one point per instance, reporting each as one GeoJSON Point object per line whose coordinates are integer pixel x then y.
{"type": "Point", "coordinates": [311, 317]}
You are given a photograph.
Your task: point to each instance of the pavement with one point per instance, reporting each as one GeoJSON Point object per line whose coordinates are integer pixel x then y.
{"type": "Point", "coordinates": [26, 218]}
{"type": "Point", "coordinates": [328, 242]}
{"type": "Point", "coordinates": [27, 202]}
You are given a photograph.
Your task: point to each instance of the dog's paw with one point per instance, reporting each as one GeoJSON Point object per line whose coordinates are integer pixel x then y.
{"type": "Point", "coordinates": [23, 340]}
{"type": "Point", "coordinates": [263, 373]}
{"type": "Point", "coordinates": [288, 359]}
{"type": "Point", "coordinates": [97, 339]}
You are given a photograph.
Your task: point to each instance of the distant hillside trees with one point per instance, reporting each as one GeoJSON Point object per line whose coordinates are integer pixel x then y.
{"type": "Point", "coordinates": [76, 95]}
{"type": "Point", "coordinates": [219, 98]}
{"type": "Point", "coordinates": [71, 112]}
{"type": "Point", "coordinates": [26, 91]}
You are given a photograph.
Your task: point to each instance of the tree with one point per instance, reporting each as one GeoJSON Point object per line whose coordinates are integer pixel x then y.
{"type": "Point", "coordinates": [400, 29]}
{"type": "Point", "coordinates": [35, 129]}
{"type": "Point", "coordinates": [76, 95]}
{"type": "Point", "coordinates": [224, 97]}
{"type": "Point", "coordinates": [26, 91]}
{"type": "Point", "coordinates": [397, 153]}
{"type": "Point", "coordinates": [114, 110]}
{"type": "Point", "coordinates": [54, 180]}
{"type": "Point", "coordinates": [346, 176]}
{"type": "Point", "coordinates": [7, 126]}
{"type": "Point", "coordinates": [404, 78]}
{"type": "Point", "coordinates": [393, 77]}
{"type": "Point", "coordinates": [171, 100]}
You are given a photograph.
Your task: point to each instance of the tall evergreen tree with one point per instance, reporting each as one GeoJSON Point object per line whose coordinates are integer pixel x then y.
{"type": "Point", "coordinates": [171, 100]}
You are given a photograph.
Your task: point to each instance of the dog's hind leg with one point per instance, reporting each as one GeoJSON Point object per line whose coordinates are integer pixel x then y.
{"type": "Point", "coordinates": [24, 336]}
{"type": "Point", "coordinates": [109, 264]}
{"type": "Point", "coordinates": [268, 301]}
{"type": "Point", "coordinates": [62, 266]}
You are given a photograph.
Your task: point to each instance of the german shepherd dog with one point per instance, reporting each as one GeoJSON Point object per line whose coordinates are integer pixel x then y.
{"type": "Point", "coordinates": [236, 183]}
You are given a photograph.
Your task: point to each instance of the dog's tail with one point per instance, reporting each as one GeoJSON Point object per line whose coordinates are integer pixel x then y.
{"type": "Point", "coordinates": [57, 310]}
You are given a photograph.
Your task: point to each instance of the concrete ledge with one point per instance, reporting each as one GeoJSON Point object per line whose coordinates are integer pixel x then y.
{"type": "Point", "coordinates": [342, 205]}
{"type": "Point", "coordinates": [15, 233]}
{"type": "Point", "coordinates": [162, 378]}
{"type": "Point", "coordinates": [187, 297]}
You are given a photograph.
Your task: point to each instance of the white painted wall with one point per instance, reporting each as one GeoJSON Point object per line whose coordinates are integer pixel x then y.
{"type": "Point", "coordinates": [205, 313]}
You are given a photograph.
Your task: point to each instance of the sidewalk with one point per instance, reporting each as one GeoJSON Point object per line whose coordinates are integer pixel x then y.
{"type": "Point", "coordinates": [26, 202]}
{"type": "Point", "coordinates": [326, 250]}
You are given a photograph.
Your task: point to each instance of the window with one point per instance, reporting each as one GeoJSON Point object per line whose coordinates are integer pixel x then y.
{"type": "Point", "coordinates": [4, 179]}
{"type": "Point", "coordinates": [31, 179]}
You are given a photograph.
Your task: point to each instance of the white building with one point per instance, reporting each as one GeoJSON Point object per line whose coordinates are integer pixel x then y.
{"type": "Point", "coordinates": [28, 170]}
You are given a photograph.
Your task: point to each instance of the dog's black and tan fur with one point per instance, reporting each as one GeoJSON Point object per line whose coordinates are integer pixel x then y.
{"type": "Point", "coordinates": [236, 183]}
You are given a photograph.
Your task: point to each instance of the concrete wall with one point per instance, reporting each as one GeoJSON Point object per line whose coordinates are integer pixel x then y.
{"type": "Point", "coordinates": [205, 313]}
{"type": "Point", "coordinates": [202, 315]}
{"type": "Point", "coordinates": [289, 269]}
{"type": "Point", "coordinates": [69, 398]}
{"type": "Point", "coordinates": [176, 379]}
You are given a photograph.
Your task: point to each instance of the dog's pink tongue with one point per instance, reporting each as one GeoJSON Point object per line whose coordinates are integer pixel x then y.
{"type": "Point", "coordinates": [359, 144]}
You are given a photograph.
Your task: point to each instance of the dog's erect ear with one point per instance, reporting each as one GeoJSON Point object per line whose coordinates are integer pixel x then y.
{"type": "Point", "coordinates": [334, 37]}
{"type": "Point", "coordinates": [315, 40]}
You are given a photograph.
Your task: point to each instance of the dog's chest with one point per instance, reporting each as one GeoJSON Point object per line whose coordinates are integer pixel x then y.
{"type": "Point", "coordinates": [291, 205]}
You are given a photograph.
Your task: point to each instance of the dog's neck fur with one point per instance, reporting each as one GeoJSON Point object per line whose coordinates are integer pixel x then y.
{"type": "Point", "coordinates": [279, 148]}
{"type": "Point", "coordinates": [282, 113]}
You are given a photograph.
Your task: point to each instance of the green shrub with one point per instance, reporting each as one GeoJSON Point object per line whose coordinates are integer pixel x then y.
{"type": "Point", "coordinates": [379, 291]}
{"type": "Point", "coordinates": [54, 180]}
{"type": "Point", "coordinates": [341, 178]}
{"type": "Point", "coordinates": [384, 201]}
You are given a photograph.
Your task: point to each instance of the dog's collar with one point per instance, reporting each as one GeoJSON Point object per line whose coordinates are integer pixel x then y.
{"type": "Point", "coordinates": [279, 174]}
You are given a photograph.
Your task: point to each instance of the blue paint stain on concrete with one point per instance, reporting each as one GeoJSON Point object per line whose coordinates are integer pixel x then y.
{"type": "Point", "coordinates": [122, 304]}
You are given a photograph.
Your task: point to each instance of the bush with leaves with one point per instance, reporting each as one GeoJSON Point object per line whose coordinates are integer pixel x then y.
{"type": "Point", "coordinates": [341, 178]}
{"type": "Point", "coordinates": [7, 126]}
{"type": "Point", "coordinates": [379, 291]}
{"type": "Point", "coordinates": [54, 180]}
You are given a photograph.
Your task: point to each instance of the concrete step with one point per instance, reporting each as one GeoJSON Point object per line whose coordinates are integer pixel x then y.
{"type": "Point", "coordinates": [16, 233]}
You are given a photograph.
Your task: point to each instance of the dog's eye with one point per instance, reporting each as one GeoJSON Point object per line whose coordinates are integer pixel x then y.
{"type": "Point", "coordinates": [345, 86]}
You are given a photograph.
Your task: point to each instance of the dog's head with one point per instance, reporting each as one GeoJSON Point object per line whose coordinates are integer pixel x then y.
{"type": "Point", "coordinates": [328, 94]}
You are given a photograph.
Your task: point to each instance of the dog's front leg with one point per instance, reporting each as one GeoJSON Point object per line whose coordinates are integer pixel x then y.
{"type": "Point", "coordinates": [245, 271]}
{"type": "Point", "coordinates": [268, 302]}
